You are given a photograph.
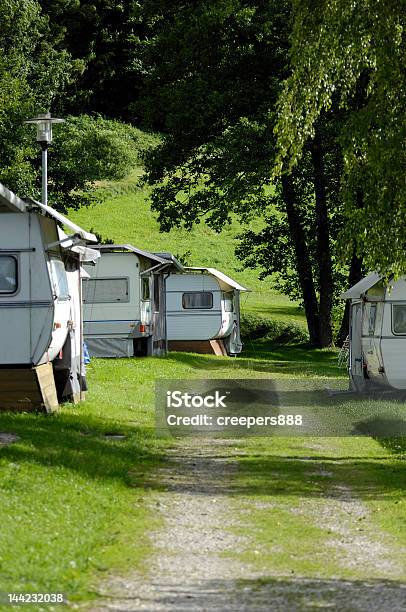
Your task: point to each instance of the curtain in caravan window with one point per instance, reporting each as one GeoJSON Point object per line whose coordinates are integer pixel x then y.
{"type": "Point", "coordinates": [197, 300]}
{"type": "Point", "coordinates": [399, 318]}
{"type": "Point", "coordinates": [105, 290]}
{"type": "Point", "coordinates": [8, 274]}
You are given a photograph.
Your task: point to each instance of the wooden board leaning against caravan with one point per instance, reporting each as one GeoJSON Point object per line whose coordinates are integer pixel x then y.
{"type": "Point", "coordinates": [377, 336]}
{"type": "Point", "coordinates": [203, 311]}
{"type": "Point", "coordinates": [124, 302]}
{"type": "Point", "coordinates": [41, 354]}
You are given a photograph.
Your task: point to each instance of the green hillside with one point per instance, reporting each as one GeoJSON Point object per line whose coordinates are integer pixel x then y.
{"type": "Point", "coordinates": [125, 217]}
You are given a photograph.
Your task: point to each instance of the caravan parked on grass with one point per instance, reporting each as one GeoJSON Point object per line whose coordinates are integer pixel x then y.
{"type": "Point", "coordinates": [41, 354]}
{"type": "Point", "coordinates": [124, 302]}
{"type": "Point", "coordinates": [203, 311]}
{"type": "Point", "coordinates": [377, 337]}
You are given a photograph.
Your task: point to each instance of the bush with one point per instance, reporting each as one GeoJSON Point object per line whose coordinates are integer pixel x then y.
{"type": "Point", "coordinates": [88, 149]}
{"type": "Point", "coordinates": [255, 327]}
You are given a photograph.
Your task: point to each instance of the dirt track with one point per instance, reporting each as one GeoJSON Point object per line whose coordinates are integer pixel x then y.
{"type": "Point", "coordinates": [191, 570]}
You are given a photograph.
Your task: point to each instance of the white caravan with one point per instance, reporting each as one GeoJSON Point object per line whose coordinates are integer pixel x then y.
{"type": "Point", "coordinates": [124, 302]}
{"type": "Point", "coordinates": [40, 305]}
{"type": "Point", "coordinates": [203, 304]}
{"type": "Point", "coordinates": [377, 333]}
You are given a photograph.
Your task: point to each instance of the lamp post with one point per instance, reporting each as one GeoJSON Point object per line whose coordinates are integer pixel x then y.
{"type": "Point", "coordinates": [44, 123]}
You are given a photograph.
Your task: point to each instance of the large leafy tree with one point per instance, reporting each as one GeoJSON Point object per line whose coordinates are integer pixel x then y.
{"type": "Point", "coordinates": [33, 69]}
{"type": "Point", "coordinates": [213, 76]}
{"type": "Point", "coordinates": [353, 54]}
{"type": "Point", "coordinates": [103, 35]}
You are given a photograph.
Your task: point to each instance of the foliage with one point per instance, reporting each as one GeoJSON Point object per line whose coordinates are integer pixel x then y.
{"type": "Point", "coordinates": [271, 248]}
{"type": "Point", "coordinates": [254, 327]}
{"type": "Point", "coordinates": [103, 35]}
{"type": "Point", "coordinates": [353, 54]}
{"type": "Point", "coordinates": [33, 67]}
{"type": "Point", "coordinates": [215, 98]}
{"type": "Point", "coordinates": [88, 149]}
{"type": "Point", "coordinates": [199, 247]}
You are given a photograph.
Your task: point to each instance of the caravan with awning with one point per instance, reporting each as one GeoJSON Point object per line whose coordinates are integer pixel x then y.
{"type": "Point", "coordinates": [124, 302]}
{"type": "Point", "coordinates": [377, 337]}
{"type": "Point", "coordinates": [40, 304]}
{"type": "Point", "coordinates": [203, 311]}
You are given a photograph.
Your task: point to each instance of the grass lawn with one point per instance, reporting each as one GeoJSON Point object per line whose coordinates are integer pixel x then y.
{"type": "Point", "coordinates": [75, 503]}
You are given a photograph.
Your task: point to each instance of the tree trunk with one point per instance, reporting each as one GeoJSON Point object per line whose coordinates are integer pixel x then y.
{"type": "Point", "coordinates": [323, 245]}
{"type": "Point", "coordinates": [354, 276]}
{"type": "Point", "coordinates": [304, 268]}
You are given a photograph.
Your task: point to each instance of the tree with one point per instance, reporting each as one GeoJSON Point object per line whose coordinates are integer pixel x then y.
{"type": "Point", "coordinates": [89, 149]}
{"type": "Point", "coordinates": [32, 70]}
{"type": "Point", "coordinates": [353, 54]}
{"type": "Point", "coordinates": [214, 95]}
{"type": "Point", "coordinates": [103, 35]}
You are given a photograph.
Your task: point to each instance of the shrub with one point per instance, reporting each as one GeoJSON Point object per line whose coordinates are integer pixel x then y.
{"type": "Point", "coordinates": [255, 327]}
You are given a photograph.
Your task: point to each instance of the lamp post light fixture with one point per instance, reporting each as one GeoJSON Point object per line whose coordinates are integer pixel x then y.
{"type": "Point", "coordinates": [44, 123]}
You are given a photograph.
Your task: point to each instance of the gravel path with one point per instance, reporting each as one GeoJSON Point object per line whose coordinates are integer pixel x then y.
{"type": "Point", "coordinates": [190, 570]}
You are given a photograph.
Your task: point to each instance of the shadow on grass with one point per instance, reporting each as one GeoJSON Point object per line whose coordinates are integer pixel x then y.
{"type": "Point", "coordinates": [270, 593]}
{"type": "Point", "coordinates": [290, 360]}
{"type": "Point", "coordinates": [79, 443]}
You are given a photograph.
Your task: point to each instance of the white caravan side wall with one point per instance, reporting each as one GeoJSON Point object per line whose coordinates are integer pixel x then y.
{"type": "Point", "coordinates": [27, 315]}
{"type": "Point", "coordinates": [393, 341]}
{"type": "Point", "coordinates": [193, 324]}
{"type": "Point", "coordinates": [114, 319]}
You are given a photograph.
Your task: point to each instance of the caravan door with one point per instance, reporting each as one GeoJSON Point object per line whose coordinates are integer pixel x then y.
{"type": "Point", "coordinates": [159, 316]}
{"type": "Point", "coordinates": [356, 360]}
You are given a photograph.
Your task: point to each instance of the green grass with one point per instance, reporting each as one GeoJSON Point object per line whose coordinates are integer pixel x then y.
{"type": "Point", "coordinates": [286, 482]}
{"type": "Point", "coordinates": [125, 217]}
{"type": "Point", "coordinates": [75, 504]}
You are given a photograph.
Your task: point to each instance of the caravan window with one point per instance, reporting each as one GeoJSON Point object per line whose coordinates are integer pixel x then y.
{"type": "Point", "coordinates": [399, 318]}
{"type": "Point", "coordinates": [157, 293]}
{"type": "Point", "coordinates": [59, 279]}
{"type": "Point", "coordinates": [105, 290]}
{"type": "Point", "coordinates": [197, 300]}
{"type": "Point", "coordinates": [228, 299]}
{"type": "Point", "coordinates": [8, 274]}
{"type": "Point", "coordinates": [145, 289]}
{"type": "Point", "coordinates": [372, 320]}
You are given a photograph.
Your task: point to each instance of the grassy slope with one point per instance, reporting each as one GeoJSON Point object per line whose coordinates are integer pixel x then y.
{"type": "Point", "coordinates": [127, 218]}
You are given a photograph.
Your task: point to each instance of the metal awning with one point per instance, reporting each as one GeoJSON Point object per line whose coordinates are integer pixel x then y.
{"type": "Point", "coordinates": [221, 277]}
{"type": "Point", "coordinates": [360, 288]}
{"type": "Point", "coordinates": [10, 202]}
{"type": "Point", "coordinates": [87, 236]}
{"type": "Point", "coordinates": [117, 248]}
{"type": "Point", "coordinates": [172, 260]}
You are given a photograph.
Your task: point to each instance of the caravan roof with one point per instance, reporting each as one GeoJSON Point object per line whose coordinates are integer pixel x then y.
{"type": "Point", "coordinates": [10, 202]}
{"type": "Point", "coordinates": [221, 277]}
{"type": "Point", "coordinates": [360, 288]}
{"type": "Point", "coordinates": [110, 248]}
